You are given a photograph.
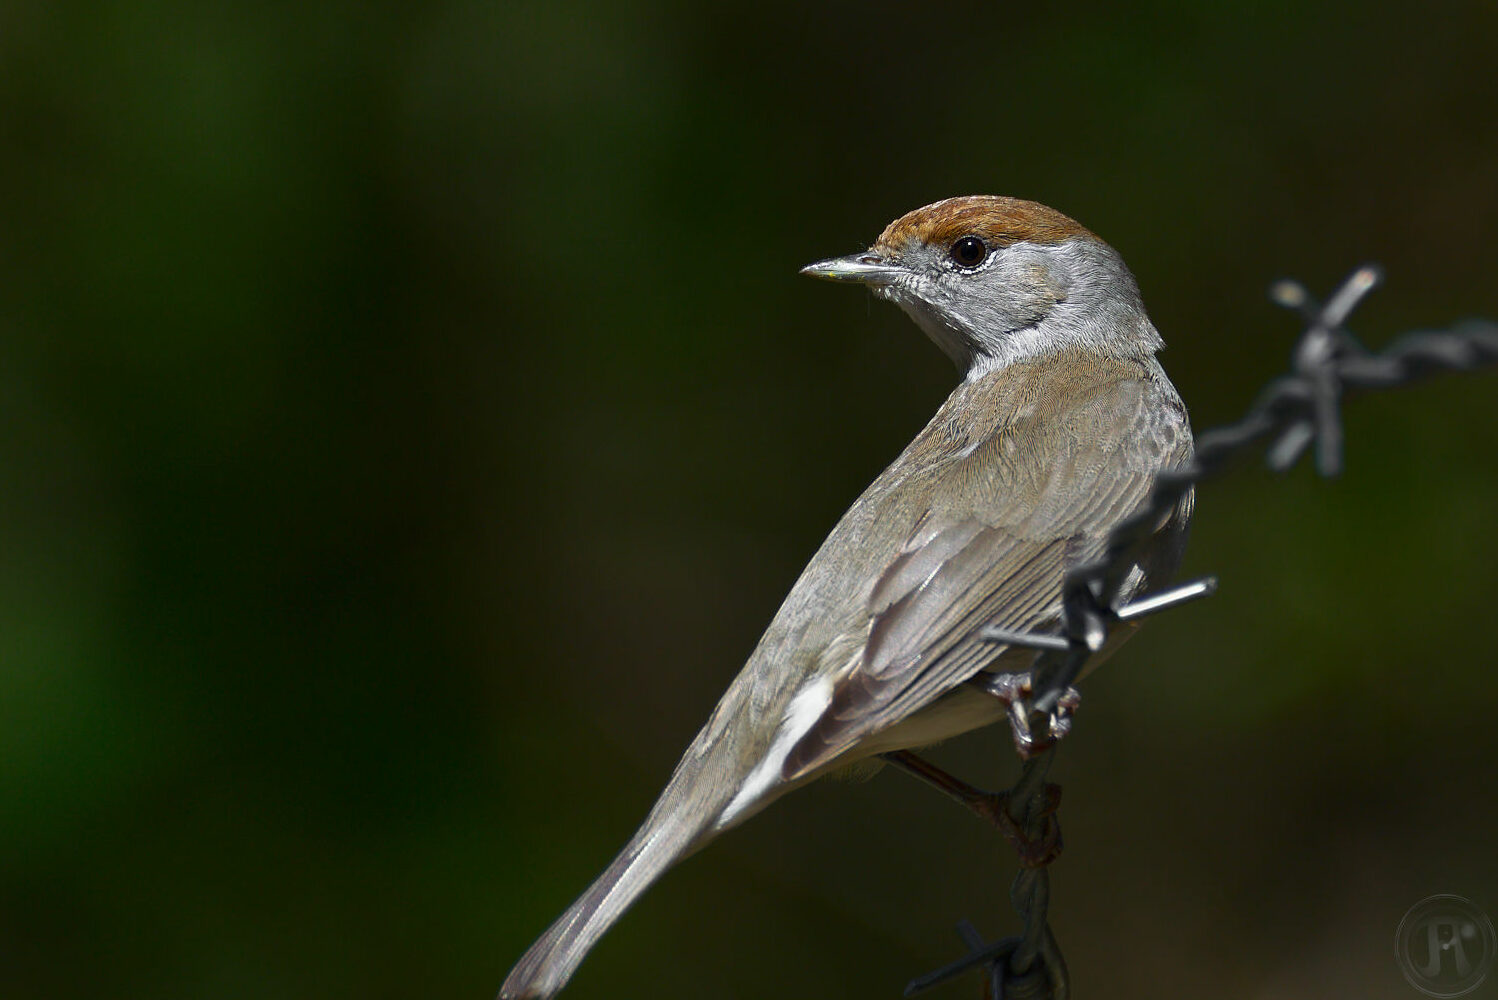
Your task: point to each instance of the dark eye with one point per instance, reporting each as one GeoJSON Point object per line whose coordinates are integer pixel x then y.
{"type": "Point", "coordinates": [969, 251]}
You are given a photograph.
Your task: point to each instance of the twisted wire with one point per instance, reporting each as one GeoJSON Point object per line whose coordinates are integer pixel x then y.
{"type": "Point", "coordinates": [1295, 411]}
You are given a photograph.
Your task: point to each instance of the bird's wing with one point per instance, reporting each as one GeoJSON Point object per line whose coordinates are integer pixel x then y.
{"type": "Point", "coordinates": [998, 555]}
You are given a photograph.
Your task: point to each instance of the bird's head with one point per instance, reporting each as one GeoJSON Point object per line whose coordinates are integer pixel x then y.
{"type": "Point", "coordinates": [994, 280]}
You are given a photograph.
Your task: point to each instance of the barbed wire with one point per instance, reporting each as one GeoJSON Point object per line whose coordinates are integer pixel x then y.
{"type": "Point", "coordinates": [1296, 410]}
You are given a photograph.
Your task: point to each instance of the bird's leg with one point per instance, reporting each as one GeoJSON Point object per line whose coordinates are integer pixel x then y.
{"type": "Point", "coordinates": [994, 807]}
{"type": "Point", "coordinates": [953, 787]}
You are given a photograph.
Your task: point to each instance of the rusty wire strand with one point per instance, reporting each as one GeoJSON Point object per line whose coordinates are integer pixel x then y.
{"type": "Point", "coordinates": [1295, 410]}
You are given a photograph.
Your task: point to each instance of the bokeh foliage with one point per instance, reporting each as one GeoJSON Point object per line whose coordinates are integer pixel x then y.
{"type": "Point", "coordinates": [410, 415]}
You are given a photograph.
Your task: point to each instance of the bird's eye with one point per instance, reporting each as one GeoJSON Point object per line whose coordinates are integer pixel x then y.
{"type": "Point", "coordinates": [969, 251]}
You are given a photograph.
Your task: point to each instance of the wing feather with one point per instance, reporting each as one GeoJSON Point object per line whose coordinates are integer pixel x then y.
{"type": "Point", "coordinates": [998, 554]}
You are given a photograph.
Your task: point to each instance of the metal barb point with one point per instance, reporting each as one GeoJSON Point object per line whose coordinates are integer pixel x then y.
{"type": "Point", "coordinates": [1349, 294]}
{"type": "Point", "coordinates": [1290, 294]}
{"type": "Point", "coordinates": [1030, 640]}
{"type": "Point", "coordinates": [979, 953]}
{"type": "Point", "coordinates": [1169, 598]}
{"type": "Point", "coordinates": [1290, 445]}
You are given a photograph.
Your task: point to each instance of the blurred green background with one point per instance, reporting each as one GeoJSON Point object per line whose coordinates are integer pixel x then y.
{"type": "Point", "coordinates": [410, 415]}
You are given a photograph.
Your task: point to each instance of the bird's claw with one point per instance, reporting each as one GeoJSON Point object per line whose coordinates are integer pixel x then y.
{"type": "Point", "coordinates": [1016, 691]}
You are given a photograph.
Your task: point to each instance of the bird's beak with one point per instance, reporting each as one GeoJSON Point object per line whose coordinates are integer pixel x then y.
{"type": "Point", "coordinates": [865, 268]}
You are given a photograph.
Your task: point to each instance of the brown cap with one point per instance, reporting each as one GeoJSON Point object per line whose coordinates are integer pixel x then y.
{"type": "Point", "coordinates": [999, 221]}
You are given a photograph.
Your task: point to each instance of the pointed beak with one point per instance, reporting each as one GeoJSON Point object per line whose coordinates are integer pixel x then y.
{"type": "Point", "coordinates": [865, 268]}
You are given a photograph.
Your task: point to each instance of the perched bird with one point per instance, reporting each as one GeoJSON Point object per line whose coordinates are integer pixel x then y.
{"type": "Point", "coordinates": [1055, 435]}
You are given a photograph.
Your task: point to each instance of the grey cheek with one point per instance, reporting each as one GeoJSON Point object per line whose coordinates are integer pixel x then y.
{"type": "Point", "coordinates": [1045, 287]}
{"type": "Point", "coordinates": [1006, 306]}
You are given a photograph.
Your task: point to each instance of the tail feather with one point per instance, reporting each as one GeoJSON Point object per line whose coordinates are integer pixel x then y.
{"type": "Point", "coordinates": [675, 827]}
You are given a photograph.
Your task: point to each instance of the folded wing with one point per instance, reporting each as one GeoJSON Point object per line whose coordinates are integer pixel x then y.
{"type": "Point", "coordinates": [997, 556]}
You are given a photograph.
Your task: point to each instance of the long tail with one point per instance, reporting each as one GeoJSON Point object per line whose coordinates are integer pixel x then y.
{"type": "Point", "coordinates": [681, 820]}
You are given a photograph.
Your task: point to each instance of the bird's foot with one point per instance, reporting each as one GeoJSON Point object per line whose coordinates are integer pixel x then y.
{"type": "Point", "coordinates": [1016, 692]}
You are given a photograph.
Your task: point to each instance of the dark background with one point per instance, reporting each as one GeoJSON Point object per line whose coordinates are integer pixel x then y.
{"type": "Point", "coordinates": [410, 415]}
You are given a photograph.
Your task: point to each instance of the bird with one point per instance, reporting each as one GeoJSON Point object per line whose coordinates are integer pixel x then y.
{"type": "Point", "coordinates": [1061, 421]}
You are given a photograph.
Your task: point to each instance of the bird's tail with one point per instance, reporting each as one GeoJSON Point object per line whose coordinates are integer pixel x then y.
{"type": "Point", "coordinates": [677, 825]}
